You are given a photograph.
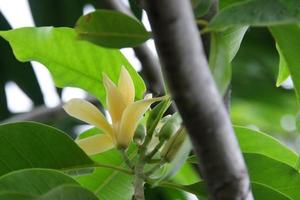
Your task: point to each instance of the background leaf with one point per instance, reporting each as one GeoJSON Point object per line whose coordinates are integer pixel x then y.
{"type": "Point", "coordinates": [34, 145]}
{"type": "Point", "coordinates": [258, 13]}
{"type": "Point", "coordinates": [287, 38]}
{"type": "Point", "coordinates": [224, 46]}
{"type": "Point", "coordinates": [111, 29]}
{"type": "Point", "coordinates": [71, 62]}
{"type": "Point", "coordinates": [20, 73]}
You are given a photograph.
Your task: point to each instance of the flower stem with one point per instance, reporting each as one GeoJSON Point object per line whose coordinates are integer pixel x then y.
{"type": "Point", "coordinates": [154, 168]}
{"type": "Point", "coordinates": [139, 181]}
{"type": "Point", "coordinates": [126, 159]}
{"type": "Point", "coordinates": [154, 151]}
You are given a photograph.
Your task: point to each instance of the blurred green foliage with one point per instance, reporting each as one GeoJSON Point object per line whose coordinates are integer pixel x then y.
{"type": "Point", "coordinates": [255, 98]}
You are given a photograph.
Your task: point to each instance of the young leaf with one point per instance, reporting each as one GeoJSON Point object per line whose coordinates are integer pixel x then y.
{"type": "Point", "coordinates": [71, 62]}
{"type": "Point", "coordinates": [287, 38]}
{"type": "Point", "coordinates": [257, 13]}
{"type": "Point", "coordinates": [111, 29]}
{"type": "Point", "coordinates": [283, 72]}
{"type": "Point", "coordinates": [33, 145]}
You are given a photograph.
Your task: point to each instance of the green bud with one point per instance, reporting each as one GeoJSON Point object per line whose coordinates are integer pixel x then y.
{"type": "Point", "coordinates": [156, 114]}
{"type": "Point", "coordinates": [139, 134]}
{"type": "Point", "coordinates": [170, 127]}
{"type": "Point", "coordinates": [173, 145]}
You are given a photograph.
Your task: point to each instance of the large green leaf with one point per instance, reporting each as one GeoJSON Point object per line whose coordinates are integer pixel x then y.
{"type": "Point", "coordinates": [109, 184]}
{"type": "Point", "coordinates": [258, 13]}
{"type": "Point", "coordinates": [71, 62]}
{"type": "Point", "coordinates": [34, 145]}
{"type": "Point", "coordinates": [111, 29]}
{"type": "Point", "coordinates": [287, 38]}
{"type": "Point", "coordinates": [42, 184]}
{"type": "Point", "coordinates": [268, 177]}
{"type": "Point", "coordinates": [252, 141]}
{"type": "Point", "coordinates": [260, 191]}
{"type": "Point", "coordinates": [274, 174]}
{"type": "Point", "coordinates": [224, 46]}
{"type": "Point", "coordinates": [65, 192]}
{"type": "Point", "coordinates": [69, 192]}
{"type": "Point", "coordinates": [15, 196]}
{"type": "Point", "coordinates": [34, 181]}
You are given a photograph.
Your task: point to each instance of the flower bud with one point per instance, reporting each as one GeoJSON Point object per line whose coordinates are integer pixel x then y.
{"type": "Point", "coordinates": [173, 145]}
{"type": "Point", "coordinates": [156, 114]}
{"type": "Point", "coordinates": [170, 127]}
{"type": "Point", "coordinates": [139, 134]}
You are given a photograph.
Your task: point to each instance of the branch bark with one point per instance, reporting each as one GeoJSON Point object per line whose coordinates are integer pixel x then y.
{"type": "Point", "coordinates": [192, 87]}
{"type": "Point", "coordinates": [151, 71]}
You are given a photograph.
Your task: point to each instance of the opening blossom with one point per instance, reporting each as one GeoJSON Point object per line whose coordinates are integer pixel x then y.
{"type": "Point", "coordinates": [124, 111]}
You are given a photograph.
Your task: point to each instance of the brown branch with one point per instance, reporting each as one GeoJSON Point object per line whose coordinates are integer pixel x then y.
{"type": "Point", "coordinates": [44, 114]}
{"type": "Point", "coordinates": [192, 87]}
{"type": "Point", "coordinates": [150, 66]}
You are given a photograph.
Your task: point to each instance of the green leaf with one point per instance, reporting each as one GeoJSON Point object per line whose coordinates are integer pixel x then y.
{"type": "Point", "coordinates": [269, 178]}
{"type": "Point", "coordinates": [69, 192]}
{"type": "Point", "coordinates": [136, 9]}
{"type": "Point", "coordinates": [201, 7]}
{"type": "Point", "coordinates": [257, 13]}
{"type": "Point", "coordinates": [15, 196]}
{"type": "Point", "coordinates": [71, 62]}
{"type": "Point", "coordinates": [283, 72]}
{"type": "Point", "coordinates": [287, 38]}
{"type": "Point", "coordinates": [114, 185]}
{"type": "Point", "coordinates": [260, 191]}
{"type": "Point", "coordinates": [274, 174]}
{"type": "Point", "coordinates": [111, 29]}
{"type": "Point", "coordinates": [33, 145]}
{"type": "Point", "coordinates": [252, 141]}
{"type": "Point", "coordinates": [65, 192]}
{"type": "Point", "coordinates": [41, 181]}
{"type": "Point", "coordinates": [224, 46]}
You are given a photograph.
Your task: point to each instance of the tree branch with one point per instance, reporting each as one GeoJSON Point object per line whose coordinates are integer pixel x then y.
{"type": "Point", "coordinates": [151, 69]}
{"type": "Point", "coordinates": [192, 87]}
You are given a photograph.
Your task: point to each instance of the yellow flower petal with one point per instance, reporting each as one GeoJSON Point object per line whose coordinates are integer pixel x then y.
{"type": "Point", "coordinates": [96, 144]}
{"type": "Point", "coordinates": [126, 86]}
{"type": "Point", "coordinates": [130, 118]}
{"type": "Point", "coordinates": [87, 112]}
{"type": "Point", "coordinates": [114, 100]}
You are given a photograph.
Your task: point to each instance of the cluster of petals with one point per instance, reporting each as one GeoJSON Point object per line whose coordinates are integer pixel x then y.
{"type": "Point", "coordinates": [124, 111]}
